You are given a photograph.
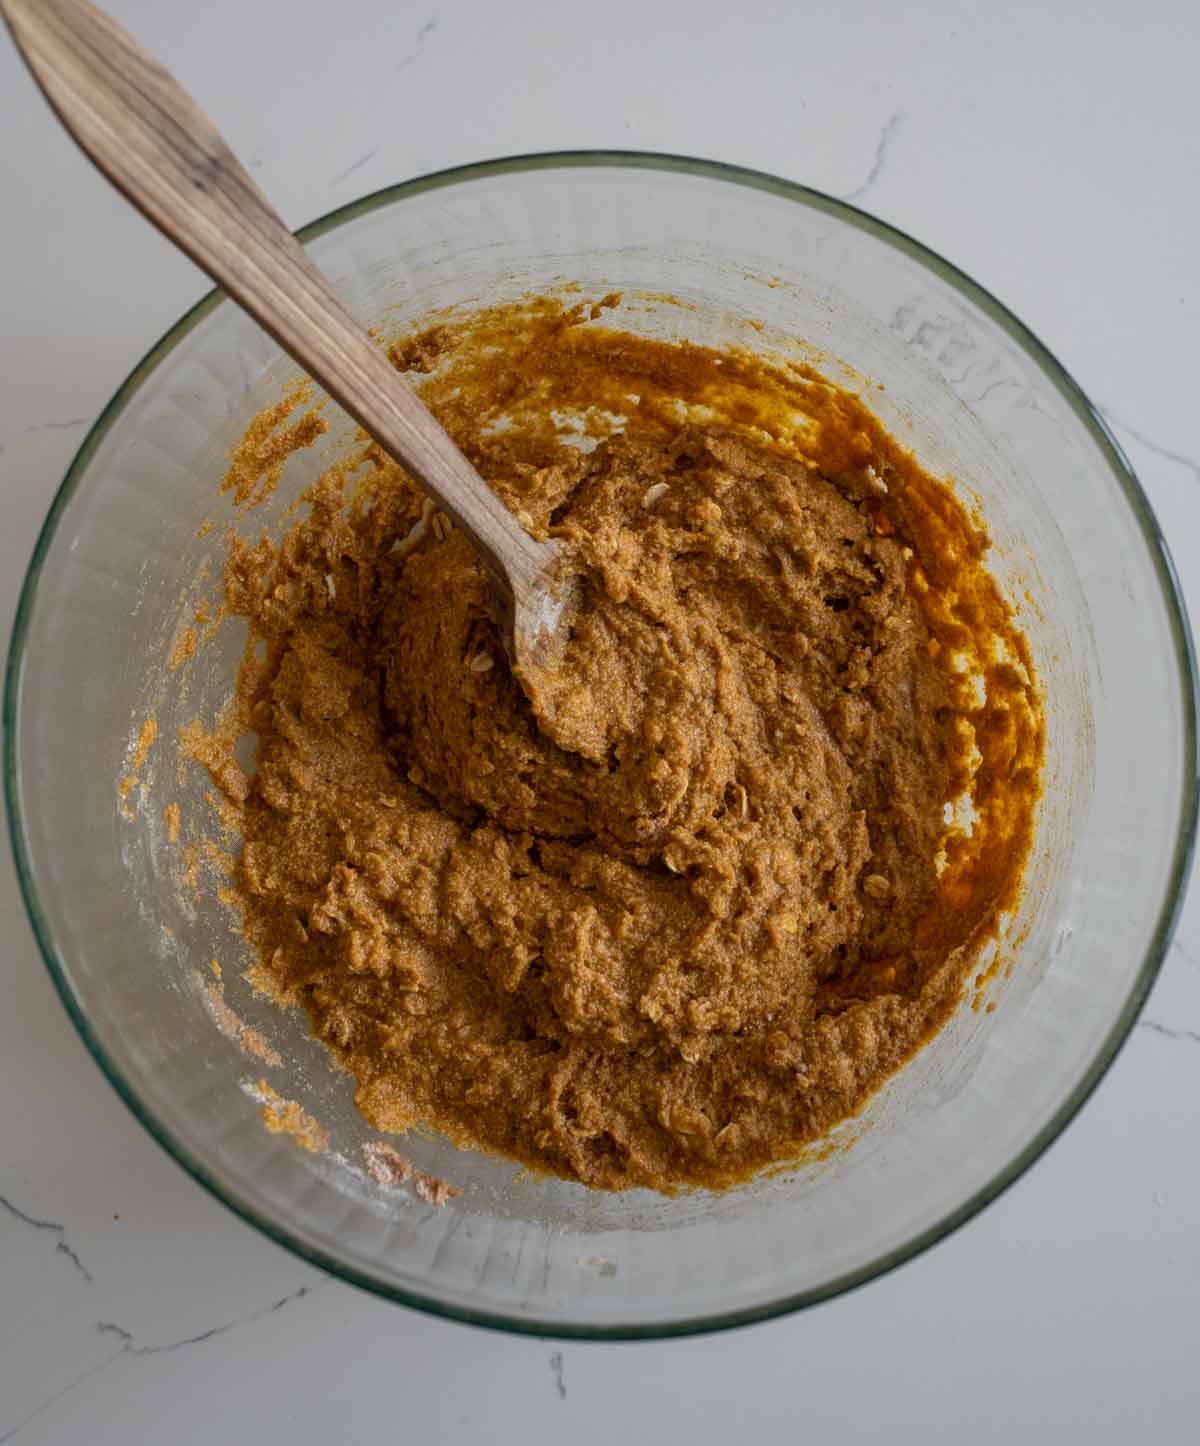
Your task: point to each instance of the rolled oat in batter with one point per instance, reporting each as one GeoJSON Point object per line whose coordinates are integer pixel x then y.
{"type": "Point", "coordinates": [685, 921]}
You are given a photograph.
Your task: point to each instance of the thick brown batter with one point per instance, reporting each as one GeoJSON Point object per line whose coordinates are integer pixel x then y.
{"type": "Point", "coordinates": [699, 916]}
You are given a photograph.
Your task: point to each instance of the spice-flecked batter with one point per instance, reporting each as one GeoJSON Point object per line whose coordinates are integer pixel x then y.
{"type": "Point", "coordinates": [698, 915]}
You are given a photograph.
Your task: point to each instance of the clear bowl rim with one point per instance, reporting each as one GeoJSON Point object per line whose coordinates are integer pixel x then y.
{"type": "Point", "coordinates": [1175, 884]}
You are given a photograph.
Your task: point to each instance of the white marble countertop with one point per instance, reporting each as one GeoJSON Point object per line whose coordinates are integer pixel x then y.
{"type": "Point", "coordinates": [1052, 151]}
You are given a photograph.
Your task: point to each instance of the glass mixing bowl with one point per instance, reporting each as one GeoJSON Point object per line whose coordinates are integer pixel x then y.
{"type": "Point", "coordinates": [123, 552]}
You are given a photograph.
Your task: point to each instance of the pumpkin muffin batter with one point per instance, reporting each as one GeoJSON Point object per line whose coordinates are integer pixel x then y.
{"type": "Point", "coordinates": [682, 917]}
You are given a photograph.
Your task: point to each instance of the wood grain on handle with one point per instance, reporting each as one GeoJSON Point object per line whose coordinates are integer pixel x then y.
{"type": "Point", "coordinates": [156, 145]}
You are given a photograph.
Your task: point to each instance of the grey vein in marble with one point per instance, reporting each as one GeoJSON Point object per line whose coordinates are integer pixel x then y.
{"type": "Point", "coordinates": [1180, 459]}
{"type": "Point", "coordinates": [1157, 1027]}
{"type": "Point", "coordinates": [71, 1385]}
{"type": "Point", "coordinates": [129, 1349]}
{"type": "Point", "coordinates": [68, 424]}
{"type": "Point", "coordinates": [1178, 947]}
{"type": "Point", "coordinates": [882, 147]}
{"type": "Point", "coordinates": [54, 1228]}
{"type": "Point", "coordinates": [423, 35]}
{"type": "Point", "coordinates": [358, 165]}
{"type": "Point", "coordinates": [990, 388]}
{"type": "Point", "coordinates": [556, 1370]}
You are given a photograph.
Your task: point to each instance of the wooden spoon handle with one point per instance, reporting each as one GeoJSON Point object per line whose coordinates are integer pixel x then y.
{"type": "Point", "coordinates": [155, 144]}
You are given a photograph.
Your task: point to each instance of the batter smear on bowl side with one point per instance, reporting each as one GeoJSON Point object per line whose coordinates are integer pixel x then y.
{"type": "Point", "coordinates": [692, 908]}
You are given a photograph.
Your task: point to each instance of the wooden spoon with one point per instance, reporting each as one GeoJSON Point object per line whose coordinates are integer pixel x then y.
{"type": "Point", "coordinates": [155, 144]}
